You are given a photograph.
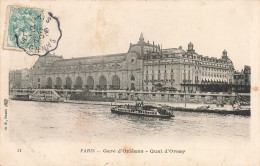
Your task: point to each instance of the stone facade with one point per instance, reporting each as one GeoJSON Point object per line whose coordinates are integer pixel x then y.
{"type": "Point", "coordinates": [26, 81]}
{"type": "Point", "coordinates": [242, 80]}
{"type": "Point", "coordinates": [20, 78]}
{"type": "Point", "coordinates": [145, 67]}
{"type": "Point", "coordinates": [243, 77]}
{"type": "Point", "coordinates": [15, 77]}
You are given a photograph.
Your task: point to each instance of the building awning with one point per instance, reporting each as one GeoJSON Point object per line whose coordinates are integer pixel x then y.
{"type": "Point", "coordinates": [211, 79]}
{"type": "Point", "coordinates": [226, 80]}
{"type": "Point", "coordinates": [206, 79]}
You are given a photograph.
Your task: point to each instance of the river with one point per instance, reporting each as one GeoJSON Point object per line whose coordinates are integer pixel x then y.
{"type": "Point", "coordinates": [36, 121]}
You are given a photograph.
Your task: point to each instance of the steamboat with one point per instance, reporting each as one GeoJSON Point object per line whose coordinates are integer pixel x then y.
{"type": "Point", "coordinates": [143, 110]}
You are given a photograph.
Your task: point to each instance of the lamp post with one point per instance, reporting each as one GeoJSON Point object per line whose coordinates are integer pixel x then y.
{"type": "Point", "coordinates": [185, 97]}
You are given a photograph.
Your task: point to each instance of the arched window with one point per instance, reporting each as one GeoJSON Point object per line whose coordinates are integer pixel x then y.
{"type": "Point", "coordinates": [102, 82]}
{"type": "Point", "coordinates": [49, 83]}
{"type": "Point", "coordinates": [79, 83]}
{"type": "Point", "coordinates": [58, 83]}
{"type": "Point", "coordinates": [132, 78]}
{"type": "Point", "coordinates": [115, 82]}
{"type": "Point", "coordinates": [90, 82]}
{"type": "Point", "coordinates": [68, 83]}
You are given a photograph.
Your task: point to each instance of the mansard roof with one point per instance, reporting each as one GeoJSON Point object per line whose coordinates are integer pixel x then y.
{"type": "Point", "coordinates": [99, 57]}
{"type": "Point", "coordinates": [96, 57]}
{"type": "Point", "coordinates": [173, 51]}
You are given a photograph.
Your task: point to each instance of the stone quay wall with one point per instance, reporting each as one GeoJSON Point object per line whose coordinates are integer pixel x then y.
{"type": "Point", "coordinates": [178, 97]}
{"type": "Point", "coordinates": [174, 97]}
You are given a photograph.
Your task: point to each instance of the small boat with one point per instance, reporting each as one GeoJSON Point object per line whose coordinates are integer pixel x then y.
{"type": "Point", "coordinates": [143, 110]}
{"type": "Point", "coordinates": [22, 97]}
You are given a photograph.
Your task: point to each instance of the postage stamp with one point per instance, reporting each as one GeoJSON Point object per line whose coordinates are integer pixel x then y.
{"type": "Point", "coordinates": [24, 27]}
{"type": "Point", "coordinates": [32, 30]}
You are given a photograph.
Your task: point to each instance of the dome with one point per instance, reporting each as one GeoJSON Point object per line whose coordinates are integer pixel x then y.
{"type": "Point", "coordinates": [190, 47]}
{"type": "Point", "coordinates": [224, 52]}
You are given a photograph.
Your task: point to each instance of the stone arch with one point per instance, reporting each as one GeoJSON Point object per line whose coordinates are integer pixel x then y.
{"type": "Point", "coordinates": [68, 83]}
{"type": "Point", "coordinates": [79, 82]}
{"type": "Point", "coordinates": [49, 83]}
{"type": "Point", "coordinates": [90, 82]}
{"type": "Point", "coordinates": [115, 82]}
{"type": "Point", "coordinates": [102, 82]}
{"type": "Point", "coordinates": [58, 83]}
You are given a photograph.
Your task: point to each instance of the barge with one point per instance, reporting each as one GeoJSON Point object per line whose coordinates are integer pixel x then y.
{"type": "Point", "coordinates": [216, 110]}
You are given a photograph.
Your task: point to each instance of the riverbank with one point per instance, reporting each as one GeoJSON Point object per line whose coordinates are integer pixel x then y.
{"type": "Point", "coordinates": [188, 107]}
{"type": "Point", "coordinates": [169, 97]}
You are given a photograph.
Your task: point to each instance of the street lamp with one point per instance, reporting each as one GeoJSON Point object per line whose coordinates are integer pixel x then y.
{"type": "Point", "coordinates": [185, 97]}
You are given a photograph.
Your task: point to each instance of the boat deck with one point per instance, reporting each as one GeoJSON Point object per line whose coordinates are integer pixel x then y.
{"type": "Point", "coordinates": [131, 110]}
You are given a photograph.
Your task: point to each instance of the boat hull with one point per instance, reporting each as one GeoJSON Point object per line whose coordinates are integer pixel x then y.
{"type": "Point", "coordinates": [140, 114]}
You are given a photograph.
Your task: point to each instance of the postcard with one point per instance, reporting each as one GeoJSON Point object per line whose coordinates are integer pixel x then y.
{"type": "Point", "coordinates": [126, 83]}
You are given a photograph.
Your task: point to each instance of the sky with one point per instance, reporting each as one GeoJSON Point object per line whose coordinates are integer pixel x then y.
{"type": "Point", "coordinates": [100, 28]}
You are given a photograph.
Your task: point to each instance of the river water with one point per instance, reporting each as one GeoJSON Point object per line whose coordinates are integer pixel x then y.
{"type": "Point", "coordinates": [38, 121]}
{"type": "Point", "coordinates": [56, 133]}
{"type": "Point", "coordinates": [35, 121]}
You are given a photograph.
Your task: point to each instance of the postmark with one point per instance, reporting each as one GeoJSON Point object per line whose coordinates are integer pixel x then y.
{"type": "Point", "coordinates": [32, 30]}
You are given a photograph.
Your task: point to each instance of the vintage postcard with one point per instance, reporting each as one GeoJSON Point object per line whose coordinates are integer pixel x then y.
{"type": "Point", "coordinates": [129, 83]}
